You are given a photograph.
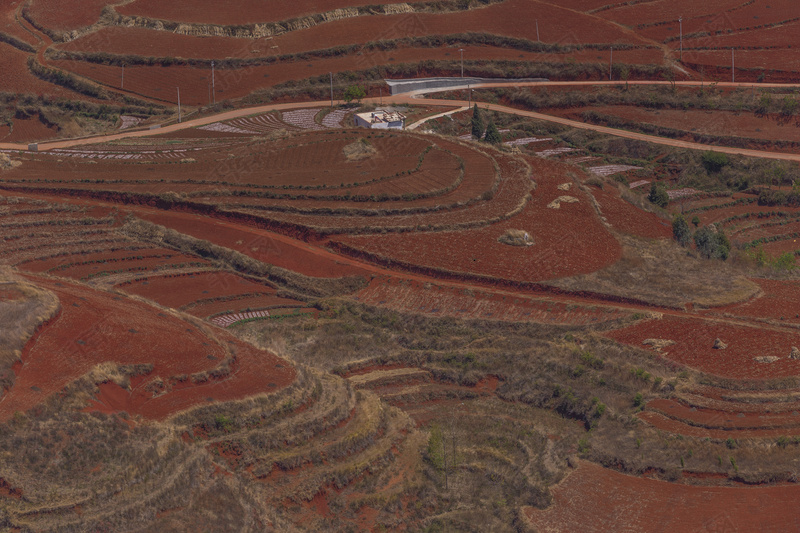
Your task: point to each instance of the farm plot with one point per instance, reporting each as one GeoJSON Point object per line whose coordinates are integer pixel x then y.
{"type": "Point", "coordinates": [259, 244]}
{"type": "Point", "coordinates": [243, 304]}
{"type": "Point", "coordinates": [18, 79]}
{"type": "Point", "coordinates": [716, 123]}
{"type": "Point", "coordinates": [512, 187]}
{"type": "Point", "coordinates": [568, 241]}
{"type": "Point", "coordinates": [662, 13]}
{"type": "Point", "coordinates": [737, 18]}
{"type": "Point", "coordinates": [744, 357]}
{"type": "Point", "coordinates": [437, 180]}
{"type": "Point", "coordinates": [185, 289]}
{"type": "Point", "coordinates": [302, 119]}
{"type": "Point", "coordinates": [782, 36]}
{"type": "Point", "coordinates": [104, 263]}
{"type": "Point", "coordinates": [64, 15]}
{"type": "Point", "coordinates": [445, 300]}
{"type": "Point", "coordinates": [318, 161]}
{"type": "Point", "coordinates": [258, 124]}
{"type": "Point", "coordinates": [628, 218]}
{"type": "Point", "coordinates": [729, 423]}
{"type": "Point", "coordinates": [9, 24]}
{"type": "Point", "coordinates": [510, 18]}
{"type": "Point", "coordinates": [595, 499]}
{"type": "Point", "coordinates": [247, 12]}
{"type": "Point", "coordinates": [93, 328]}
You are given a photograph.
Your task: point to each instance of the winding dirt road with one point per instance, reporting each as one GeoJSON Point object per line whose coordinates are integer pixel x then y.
{"type": "Point", "coordinates": [417, 98]}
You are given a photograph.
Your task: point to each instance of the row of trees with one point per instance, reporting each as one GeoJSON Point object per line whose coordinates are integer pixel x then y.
{"type": "Point", "coordinates": [710, 242]}
{"type": "Point", "coordinates": [480, 130]}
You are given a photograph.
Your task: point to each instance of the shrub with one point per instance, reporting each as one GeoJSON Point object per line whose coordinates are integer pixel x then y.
{"type": "Point", "coordinates": [711, 244]}
{"type": "Point", "coordinates": [714, 161]}
{"type": "Point", "coordinates": [681, 231]}
{"type": "Point", "coordinates": [658, 195]}
{"type": "Point", "coordinates": [638, 400]}
{"type": "Point", "coordinates": [696, 221]}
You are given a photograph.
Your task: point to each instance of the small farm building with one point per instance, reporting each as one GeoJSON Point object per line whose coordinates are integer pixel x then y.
{"type": "Point", "coordinates": [381, 120]}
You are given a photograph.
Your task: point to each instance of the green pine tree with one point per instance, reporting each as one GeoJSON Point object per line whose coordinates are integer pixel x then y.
{"type": "Point", "coordinates": [477, 123]}
{"type": "Point", "coordinates": [492, 135]}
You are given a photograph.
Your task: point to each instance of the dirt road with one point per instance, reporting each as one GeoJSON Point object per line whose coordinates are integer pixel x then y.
{"type": "Point", "coordinates": [415, 98]}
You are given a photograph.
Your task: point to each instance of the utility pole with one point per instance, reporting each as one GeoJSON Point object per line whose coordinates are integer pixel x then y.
{"type": "Point", "coordinates": [537, 31]}
{"type": "Point", "coordinates": [469, 95]}
{"type": "Point", "coordinates": [213, 85]}
{"type": "Point", "coordinates": [733, 66]}
{"type": "Point", "coordinates": [122, 86]}
{"type": "Point", "coordinates": [380, 89]}
{"type": "Point", "coordinates": [611, 64]}
{"type": "Point", "coordinates": [179, 103]}
{"type": "Point", "coordinates": [462, 61]}
{"type": "Point", "coordinates": [680, 21]}
{"type": "Point", "coordinates": [331, 73]}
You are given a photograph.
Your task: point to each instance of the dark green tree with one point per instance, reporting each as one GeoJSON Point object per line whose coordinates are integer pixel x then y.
{"type": "Point", "coordinates": [712, 244]}
{"type": "Point", "coordinates": [354, 92]}
{"type": "Point", "coordinates": [492, 135]}
{"type": "Point", "coordinates": [478, 126]}
{"type": "Point", "coordinates": [658, 195]}
{"type": "Point", "coordinates": [681, 231]}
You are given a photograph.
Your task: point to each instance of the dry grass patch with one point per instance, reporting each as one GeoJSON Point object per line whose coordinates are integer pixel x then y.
{"type": "Point", "coordinates": [660, 272]}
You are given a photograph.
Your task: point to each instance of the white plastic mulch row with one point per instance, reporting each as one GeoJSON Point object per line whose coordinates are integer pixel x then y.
{"type": "Point", "coordinates": [302, 118]}
{"type": "Point", "coordinates": [638, 184]}
{"type": "Point", "coordinates": [334, 118]}
{"type": "Point", "coordinates": [555, 151]}
{"type": "Point", "coordinates": [681, 193]}
{"type": "Point", "coordinates": [227, 320]}
{"type": "Point", "coordinates": [526, 140]}
{"type": "Point", "coordinates": [225, 128]}
{"type": "Point", "coordinates": [128, 121]}
{"type": "Point", "coordinates": [583, 159]}
{"type": "Point", "coordinates": [608, 170]}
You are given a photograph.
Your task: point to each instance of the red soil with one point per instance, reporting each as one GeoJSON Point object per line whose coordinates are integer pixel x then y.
{"type": "Point", "coordinates": [766, 60]}
{"type": "Point", "coordinates": [148, 263]}
{"type": "Point", "coordinates": [725, 123]}
{"type": "Point", "coordinates": [594, 499]}
{"type": "Point", "coordinates": [775, 37]}
{"type": "Point", "coordinates": [511, 18]}
{"type": "Point", "coordinates": [276, 305]}
{"type": "Point", "coordinates": [727, 420]}
{"type": "Point", "coordinates": [779, 302]}
{"type": "Point", "coordinates": [568, 241]}
{"type": "Point", "coordinates": [254, 372]}
{"type": "Point", "coordinates": [659, 421]}
{"type": "Point", "coordinates": [61, 15]}
{"type": "Point", "coordinates": [695, 339]}
{"type": "Point", "coordinates": [628, 218]}
{"type": "Point", "coordinates": [246, 12]}
{"type": "Point", "coordinates": [94, 327]}
{"type": "Point", "coordinates": [663, 10]}
{"type": "Point", "coordinates": [17, 78]}
{"type": "Point", "coordinates": [745, 19]}
{"type": "Point", "coordinates": [152, 43]}
{"type": "Point", "coordinates": [31, 129]}
{"type": "Point", "coordinates": [61, 263]}
{"type": "Point", "coordinates": [450, 300]}
{"type": "Point", "coordinates": [9, 24]}
{"type": "Point", "coordinates": [259, 244]}
{"type": "Point", "coordinates": [177, 291]}
{"type": "Point", "coordinates": [9, 491]}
